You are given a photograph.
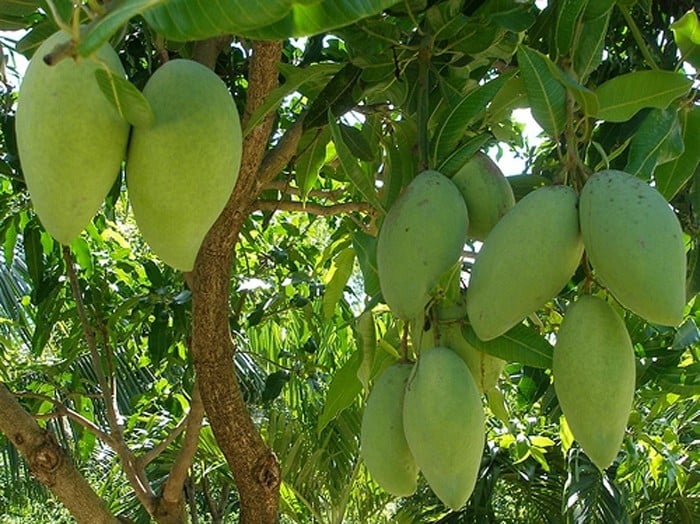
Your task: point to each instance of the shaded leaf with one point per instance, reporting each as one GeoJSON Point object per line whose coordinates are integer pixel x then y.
{"type": "Point", "coordinates": [308, 165]}
{"type": "Point", "coordinates": [657, 140]}
{"type": "Point", "coordinates": [358, 145]}
{"type": "Point", "coordinates": [366, 340]}
{"type": "Point", "coordinates": [103, 28]}
{"type": "Point", "coordinates": [460, 115]}
{"type": "Point", "coordinates": [623, 96]}
{"type": "Point", "coordinates": [588, 52]}
{"type": "Point", "coordinates": [129, 102]}
{"type": "Point", "coordinates": [343, 390]}
{"type": "Point", "coordinates": [569, 13]}
{"type": "Point", "coordinates": [292, 83]}
{"type": "Point", "coordinates": [366, 250]}
{"type": "Point", "coordinates": [336, 98]}
{"type": "Point", "coordinates": [546, 95]}
{"type": "Point", "coordinates": [360, 179]}
{"type": "Point", "coordinates": [519, 344]}
{"type": "Point", "coordinates": [672, 176]}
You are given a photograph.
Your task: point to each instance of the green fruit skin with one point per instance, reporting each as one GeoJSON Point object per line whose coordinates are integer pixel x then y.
{"type": "Point", "coordinates": [422, 236]}
{"type": "Point", "coordinates": [485, 368]}
{"type": "Point", "coordinates": [182, 169]}
{"type": "Point", "coordinates": [594, 377]}
{"type": "Point", "coordinates": [71, 140]}
{"type": "Point", "coordinates": [444, 424]}
{"type": "Point", "coordinates": [383, 445]}
{"type": "Point", "coordinates": [487, 193]}
{"type": "Point", "coordinates": [528, 257]}
{"type": "Point", "coordinates": [634, 243]}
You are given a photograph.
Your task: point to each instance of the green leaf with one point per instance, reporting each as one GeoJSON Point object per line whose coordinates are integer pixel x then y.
{"type": "Point", "coordinates": [366, 250]}
{"type": "Point", "coordinates": [358, 145]}
{"type": "Point", "coordinates": [337, 278]}
{"type": "Point", "coordinates": [623, 96]}
{"type": "Point", "coordinates": [343, 390]}
{"type": "Point", "coordinates": [686, 33]}
{"type": "Point", "coordinates": [292, 83]}
{"type": "Point", "coordinates": [366, 340]}
{"type": "Point", "coordinates": [568, 15]}
{"type": "Point", "coordinates": [546, 95]}
{"type": "Point", "coordinates": [183, 20]}
{"type": "Point", "coordinates": [588, 51]}
{"type": "Point", "coordinates": [520, 344]}
{"type": "Point", "coordinates": [597, 8]}
{"type": "Point", "coordinates": [18, 7]}
{"type": "Point", "coordinates": [363, 181]}
{"type": "Point", "coordinates": [308, 164]}
{"type": "Point", "coordinates": [103, 28]}
{"type": "Point", "coordinates": [464, 152]}
{"type": "Point", "coordinates": [511, 96]}
{"type": "Point", "coordinates": [33, 254]}
{"type": "Point", "coordinates": [34, 38]}
{"type": "Point", "coordinates": [460, 115]}
{"type": "Point", "coordinates": [657, 140]}
{"type": "Point", "coordinates": [586, 99]}
{"type": "Point", "coordinates": [129, 102]}
{"type": "Point", "coordinates": [337, 97]}
{"type": "Point", "coordinates": [672, 176]}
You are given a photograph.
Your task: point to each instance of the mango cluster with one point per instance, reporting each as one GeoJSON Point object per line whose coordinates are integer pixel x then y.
{"type": "Point", "coordinates": [427, 417]}
{"type": "Point", "coordinates": [180, 170]}
{"type": "Point", "coordinates": [634, 245]}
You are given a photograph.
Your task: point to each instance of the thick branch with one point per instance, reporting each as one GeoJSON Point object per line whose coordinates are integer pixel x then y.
{"type": "Point", "coordinates": [50, 464]}
{"type": "Point", "coordinates": [313, 209]}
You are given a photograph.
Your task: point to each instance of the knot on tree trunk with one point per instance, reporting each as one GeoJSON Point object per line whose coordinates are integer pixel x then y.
{"type": "Point", "coordinates": [267, 471]}
{"type": "Point", "coordinates": [45, 459]}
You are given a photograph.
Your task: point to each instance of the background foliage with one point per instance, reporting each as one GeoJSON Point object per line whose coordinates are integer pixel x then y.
{"type": "Point", "coordinates": [426, 84]}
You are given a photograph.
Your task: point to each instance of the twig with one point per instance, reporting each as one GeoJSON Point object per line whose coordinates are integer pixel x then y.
{"type": "Point", "coordinates": [64, 411]}
{"type": "Point", "coordinates": [172, 491]}
{"type": "Point", "coordinates": [284, 186]}
{"type": "Point", "coordinates": [137, 476]}
{"type": "Point", "coordinates": [313, 209]}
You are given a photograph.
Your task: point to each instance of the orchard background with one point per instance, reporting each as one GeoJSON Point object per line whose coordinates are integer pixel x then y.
{"type": "Point", "coordinates": [132, 392]}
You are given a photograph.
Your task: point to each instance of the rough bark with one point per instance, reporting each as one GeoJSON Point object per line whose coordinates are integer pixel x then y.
{"type": "Point", "coordinates": [254, 465]}
{"type": "Point", "coordinates": [50, 463]}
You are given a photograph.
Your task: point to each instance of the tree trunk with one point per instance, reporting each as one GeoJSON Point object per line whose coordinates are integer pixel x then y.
{"type": "Point", "coordinates": [50, 463]}
{"type": "Point", "coordinates": [254, 465]}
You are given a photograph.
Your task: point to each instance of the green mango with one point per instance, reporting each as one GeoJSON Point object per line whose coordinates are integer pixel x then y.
{"type": "Point", "coordinates": [634, 243]}
{"type": "Point", "coordinates": [528, 257]}
{"type": "Point", "coordinates": [182, 169]}
{"type": "Point", "coordinates": [383, 445]}
{"type": "Point", "coordinates": [594, 377]}
{"type": "Point", "coordinates": [422, 236]}
{"type": "Point", "coordinates": [71, 140]}
{"type": "Point", "coordinates": [487, 193]}
{"type": "Point", "coordinates": [444, 424]}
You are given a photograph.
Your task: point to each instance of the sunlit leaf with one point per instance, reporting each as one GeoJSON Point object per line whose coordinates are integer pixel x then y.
{"type": "Point", "coordinates": [623, 96]}
{"type": "Point", "coordinates": [546, 95]}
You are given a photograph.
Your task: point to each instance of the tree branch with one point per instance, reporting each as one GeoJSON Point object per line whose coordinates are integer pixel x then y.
{"type": "Point", "coordinates": [283, 186]}
{"type": "Point", "coordinates": [313, 209]}
{"type": "Point", "coordinates": [172, 491]}
{"type": "Point", "coordinates": [50, 464]}
{"type": "Point", "coordinates": [137, 476]}
{"type": "Point", "coordinates": [64, 411]}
